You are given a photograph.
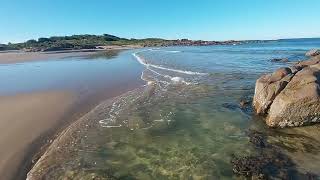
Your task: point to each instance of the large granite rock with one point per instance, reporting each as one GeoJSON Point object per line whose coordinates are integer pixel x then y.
{"type": "Point", "coordinates": [290, 96]}
{"type": "Point", "coordinates": [268, 87]}
{"type": "Point", "coordinates": [313, 52]}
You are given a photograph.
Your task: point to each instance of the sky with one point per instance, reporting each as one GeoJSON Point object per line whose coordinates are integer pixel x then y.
{"type": "Point", "coordinates": [171, 19]}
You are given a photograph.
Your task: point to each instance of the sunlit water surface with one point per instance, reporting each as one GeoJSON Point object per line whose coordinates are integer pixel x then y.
{"type": "Point", "coordinates": [187, 122]}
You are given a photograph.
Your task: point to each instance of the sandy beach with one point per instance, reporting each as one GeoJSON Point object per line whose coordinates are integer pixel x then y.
{"type": "Point", "coordinates": [30, 121]}
{"type": "Point", "coordinates": [20, 56]}
{"type": "Point", "coordinates": [156, 90]}
{"type": "Point", "coordinates": [26, 118]}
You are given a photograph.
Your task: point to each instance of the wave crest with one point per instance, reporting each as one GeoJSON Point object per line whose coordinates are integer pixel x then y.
{"type": "Point", "coordinates": [143, 62]}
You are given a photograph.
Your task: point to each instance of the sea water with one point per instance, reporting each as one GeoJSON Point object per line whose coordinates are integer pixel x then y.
{"type": "Point", "coordinates": [186, 122]}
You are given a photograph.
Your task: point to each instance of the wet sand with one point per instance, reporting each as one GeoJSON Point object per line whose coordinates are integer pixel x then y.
{"type": "Point", "coordinates": [29, 122]}
{"type": "Point", "coordinates": [7, 57]}
{"type": "Point", "coordinates": [71, 134]}
{"type": "Point", "coordinates": [24, 119]}
{"type": "Point", "coordinates": [20, 56]}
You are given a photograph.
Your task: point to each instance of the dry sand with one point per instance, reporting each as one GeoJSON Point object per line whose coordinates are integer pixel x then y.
{"type": "Point", "coordinates": [23, 119]}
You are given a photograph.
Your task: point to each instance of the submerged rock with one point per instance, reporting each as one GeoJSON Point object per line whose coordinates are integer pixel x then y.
{"type": "Point", "coordinates": [230, 106]}
{"type": "Point", "coordinates": [257, 139]}
{"type": "Point", "coordinates": [313, 52]}
{"type": "Point", "coordinates": [244, 103]}
{"type": "Point", "coordinates": [248, 166]}
{"type": "Point", "coordinates": [279, 60]}
{"type": "Point", "coordinates": [290, 96]}
{"type": "Point", "coordinates": [268, 163]}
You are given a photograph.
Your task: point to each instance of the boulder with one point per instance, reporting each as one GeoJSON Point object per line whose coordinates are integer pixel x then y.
{"type": "Point", "coordinates": [311, 61]}
{"type": "Point", "coordinates": [299, 102]}
{"type": "Point", "coordinates": [279, 60]}
{"type": "Point", "coordinates": [268, 87]}
{"type": "Point", "coordinates": [290, 96]}
{"type": "Point", "coordinates": [313, 52]}
{"type": "Point", "coordinates": [294, 69]}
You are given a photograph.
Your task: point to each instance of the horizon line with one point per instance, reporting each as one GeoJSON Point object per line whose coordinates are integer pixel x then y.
{"type": "Point", "coordinates": [275, 39]}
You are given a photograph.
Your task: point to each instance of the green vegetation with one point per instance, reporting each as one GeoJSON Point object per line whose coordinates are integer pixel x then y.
{"type": "Point", "coordinates": [79, 42]}
{"type": "Point", "coordinates": [88, 41]}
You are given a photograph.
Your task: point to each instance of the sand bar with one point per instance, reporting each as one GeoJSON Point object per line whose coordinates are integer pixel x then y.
{"type": "Point", "coordinates": [7, 57]}
{"type": "Point", "coordinates": [23, 119]}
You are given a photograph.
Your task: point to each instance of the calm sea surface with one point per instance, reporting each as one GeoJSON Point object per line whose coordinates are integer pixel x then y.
{"type": "Point", "coordinates": [85, 75]}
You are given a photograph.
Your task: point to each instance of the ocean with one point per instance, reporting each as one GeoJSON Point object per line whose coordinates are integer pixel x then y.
{"type": "Point", "coordinates": [186, 122]}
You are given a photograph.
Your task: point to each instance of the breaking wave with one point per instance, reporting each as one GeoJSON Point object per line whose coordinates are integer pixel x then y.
{"type": "Point", "coordinates": [143, 62]}
{"type": "Point", "coordinates": [167, 51]}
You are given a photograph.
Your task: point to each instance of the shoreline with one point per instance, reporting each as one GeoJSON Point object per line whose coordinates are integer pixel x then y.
{"type": "Point", "coordinates": [29, 119]}
{"type": "Point", "coordinates": [26, 156]}
{"type": "Point", "coordinates": [64, 138]}
{"type": "Point", "coordinates": [41, 145]}
{"type": "Point", "coordinates": [66, 135]}
{"type": "Point", "coordinates": [74, 125]}
{"type": "Point", "coordinates": [17, 56]}
{"type": "Point", "coordinates": [65, 144]}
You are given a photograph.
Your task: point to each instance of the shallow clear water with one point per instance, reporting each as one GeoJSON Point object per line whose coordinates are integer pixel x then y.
{"type": "Point", "coordinates": [187, 123]}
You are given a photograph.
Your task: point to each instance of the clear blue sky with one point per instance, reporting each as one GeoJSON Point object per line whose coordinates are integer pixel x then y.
{"type": "Point", "coordinates": [193, 19]}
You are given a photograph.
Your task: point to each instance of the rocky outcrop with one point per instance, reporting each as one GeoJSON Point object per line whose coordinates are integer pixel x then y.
{"type": "Point", "coordinates": [283, 60]}
{"type": "Point", "coordinates": [290, 96]}
{"type": "Point", "coordinates": [313, 52]}
{"type": "Point", "coordinates": [268, 87]}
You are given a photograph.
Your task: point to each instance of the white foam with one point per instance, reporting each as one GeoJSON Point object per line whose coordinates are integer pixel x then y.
{"type": "Point", "coordinates": [115, 110]}
{"type": "Point", "coordinates": [177, 80]}
{"type": "Point", "coordinates": [106, 123]}
{"type": "Point", "coordinates": [110, 126]}
{"type": "Point", "coordinates": [167, 51]}
{"type": "Point", "coordinates": [158, 120]}
{"type": "Point", "coordinates": [143, 62]}
{"type": "Point", "coordinates": [150, 83]}
{"type": "Point", "coordinates": [174, 51]}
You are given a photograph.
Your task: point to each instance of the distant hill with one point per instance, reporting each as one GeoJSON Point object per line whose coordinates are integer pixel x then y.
{"type": "Point", "coordinates": [88, 41]}
{"type": "Point", "coordinates": [66, 42]}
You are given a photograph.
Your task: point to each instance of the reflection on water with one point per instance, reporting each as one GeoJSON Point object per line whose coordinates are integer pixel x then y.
{"type": "Point", "coordinates": [190, 129]}
{"type": "Point", "coordinates": [81, 74]}
{"type": "Point", "coordinates": [109, 54]}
